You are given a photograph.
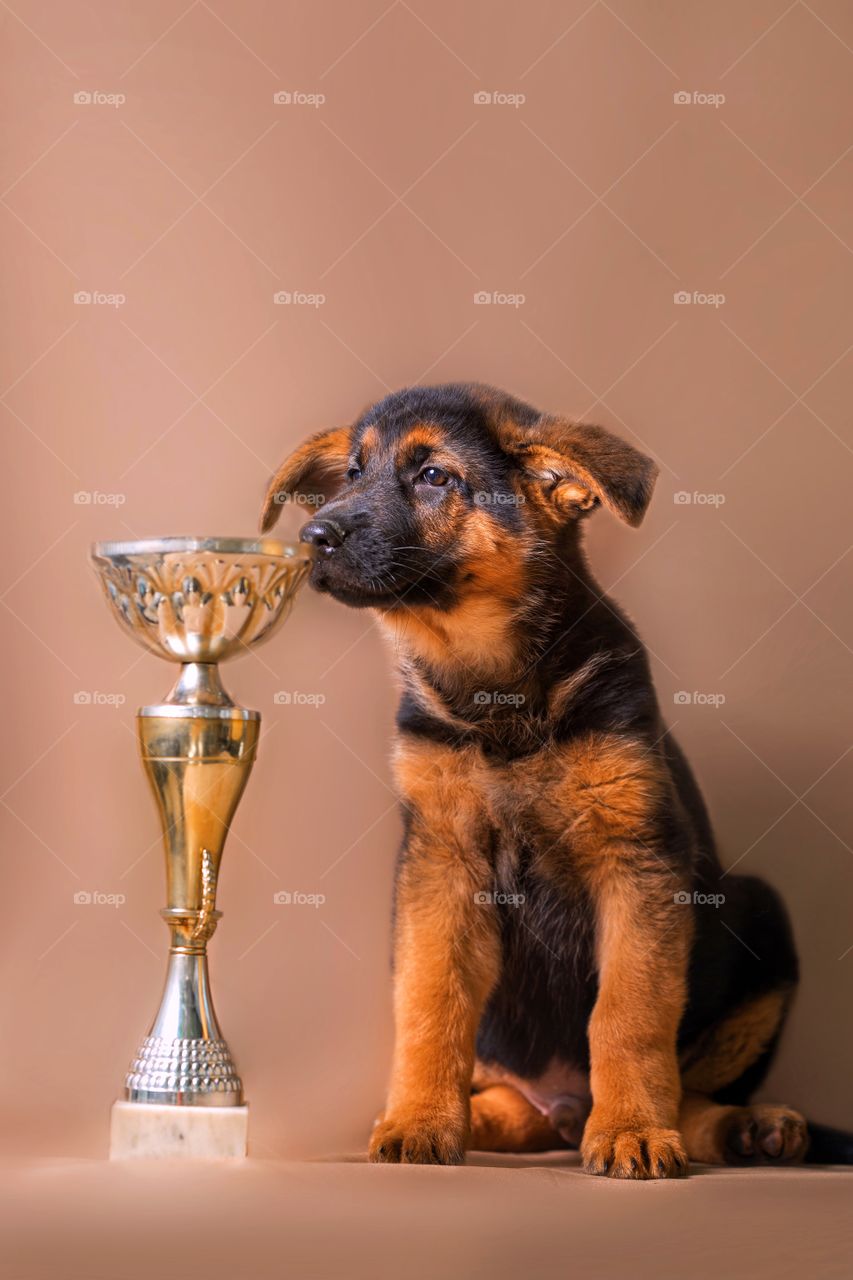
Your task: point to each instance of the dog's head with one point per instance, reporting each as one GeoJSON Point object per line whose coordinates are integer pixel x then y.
{"type": "Point", "coordinates": [439, 493]}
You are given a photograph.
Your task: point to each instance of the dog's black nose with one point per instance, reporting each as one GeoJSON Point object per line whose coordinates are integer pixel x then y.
{"type": "Point", "coordinates": [323, 533]}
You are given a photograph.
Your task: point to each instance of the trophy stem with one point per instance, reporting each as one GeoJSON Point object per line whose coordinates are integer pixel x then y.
{"type": "Point", "coordinates": [199, 684]}
{"type": "Point", "coordinates": [184, 1060]}
{"type": "Point", "coordinates": [198, 758]}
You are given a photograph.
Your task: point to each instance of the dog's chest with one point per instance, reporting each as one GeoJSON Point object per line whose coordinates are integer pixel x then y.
{"type": "Point", "coordinates": [538, 1012]}
{"type": "Point", "coordinates": [526, 806]}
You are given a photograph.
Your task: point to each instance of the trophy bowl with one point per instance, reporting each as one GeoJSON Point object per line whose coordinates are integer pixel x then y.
{"type": "Point", "coordinates": [200, 601]}
{"type": "Point", "coordinates": [197, 602]}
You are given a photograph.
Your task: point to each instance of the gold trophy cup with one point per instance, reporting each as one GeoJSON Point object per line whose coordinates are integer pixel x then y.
{"type": "Point", "coordinates": [196, 601]}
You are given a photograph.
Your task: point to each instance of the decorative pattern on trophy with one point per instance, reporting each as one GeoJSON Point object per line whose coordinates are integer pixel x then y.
{"type": "Point", "coordinates": [196, 601]}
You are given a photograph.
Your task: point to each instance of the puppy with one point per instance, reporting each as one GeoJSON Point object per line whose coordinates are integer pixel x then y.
{"type": "Point", "coordinates": [560, 975]}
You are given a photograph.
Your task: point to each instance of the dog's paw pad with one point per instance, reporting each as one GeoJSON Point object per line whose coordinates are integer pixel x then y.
{"type": "Point", "coordinates": [765, 1134]}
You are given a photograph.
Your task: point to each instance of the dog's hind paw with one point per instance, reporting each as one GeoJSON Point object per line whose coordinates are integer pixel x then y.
{"type": "Point", "coordinates": [765, 1134]}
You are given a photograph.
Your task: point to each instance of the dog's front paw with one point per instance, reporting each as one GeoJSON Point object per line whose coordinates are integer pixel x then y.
{"type": "Point", "coordinates": [416, 1138]}
{"type": "Point", "coordinates": [634, 1153]}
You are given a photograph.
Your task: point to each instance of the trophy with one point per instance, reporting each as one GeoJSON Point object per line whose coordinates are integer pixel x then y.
{"type": "Point", "coordinates": [196, 601]}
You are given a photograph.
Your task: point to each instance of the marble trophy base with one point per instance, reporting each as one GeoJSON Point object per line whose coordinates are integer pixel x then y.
{"type": "Point", "coordinates": [143, 1129]}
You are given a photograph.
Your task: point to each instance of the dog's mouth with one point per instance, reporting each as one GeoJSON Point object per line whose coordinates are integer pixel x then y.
{"type": "Point", "coordinates": [366, 583]}
{"type": "Point", "coordinates": [351, 589]}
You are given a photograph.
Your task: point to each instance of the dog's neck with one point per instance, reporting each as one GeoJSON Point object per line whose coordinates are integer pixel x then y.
{"type": "Point", "coordinates": [500, 637]}
{"type": "Point", "coordinates": [476, 641]}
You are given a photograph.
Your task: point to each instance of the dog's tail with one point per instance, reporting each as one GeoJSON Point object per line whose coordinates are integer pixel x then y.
{"type": "Point", "coordinates": [828, 1146]}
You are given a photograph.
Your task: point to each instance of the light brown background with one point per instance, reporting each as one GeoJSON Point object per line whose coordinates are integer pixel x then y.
{"type": "Point", "coordinates": [398, 199]}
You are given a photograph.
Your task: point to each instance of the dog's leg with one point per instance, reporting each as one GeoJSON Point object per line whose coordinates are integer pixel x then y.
{"type": "Point", "coordinates": [727, 1053]}
{"type": "Point", "coordinates": [446, 958]}
{"type": "Point", "coordinates": [503, 1120]}
{"type": "Point", "coordinates": [761, 1133]}
{"type": "Point", "coordinates": [642, 937]}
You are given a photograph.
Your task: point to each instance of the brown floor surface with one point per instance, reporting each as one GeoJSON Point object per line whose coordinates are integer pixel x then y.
{"type": "Point", "coordinates": [525, 1217]}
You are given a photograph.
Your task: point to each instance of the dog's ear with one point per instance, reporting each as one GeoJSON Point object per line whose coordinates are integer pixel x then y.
{"type": "Point", "coordinates": [315, 472]}
{"type": "Point", "coordinates": [580, 466]}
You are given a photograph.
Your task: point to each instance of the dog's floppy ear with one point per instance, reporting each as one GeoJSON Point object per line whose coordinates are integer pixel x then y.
{"type": "Point", "coordinates": [315, 472]}
{"type": "Point", "coordinates": [580, 466]}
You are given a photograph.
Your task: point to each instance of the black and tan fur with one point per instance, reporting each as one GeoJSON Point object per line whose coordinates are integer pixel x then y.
{"type": "Point", "coordinates": [557, 979]}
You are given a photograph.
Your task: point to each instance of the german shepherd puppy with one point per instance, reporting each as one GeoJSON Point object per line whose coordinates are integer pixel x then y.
{"type": "Point", "coordinates": [567, 970]}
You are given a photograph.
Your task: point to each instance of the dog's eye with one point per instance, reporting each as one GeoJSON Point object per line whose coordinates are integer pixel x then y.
{"type": "Point", "coordinates": [354, 473]}
{"type": "Point", "coordinates": [433, 476]}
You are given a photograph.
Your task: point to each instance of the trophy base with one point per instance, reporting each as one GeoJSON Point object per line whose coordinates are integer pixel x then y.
{"type": "Point", "coordinates": [140, 1130]}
